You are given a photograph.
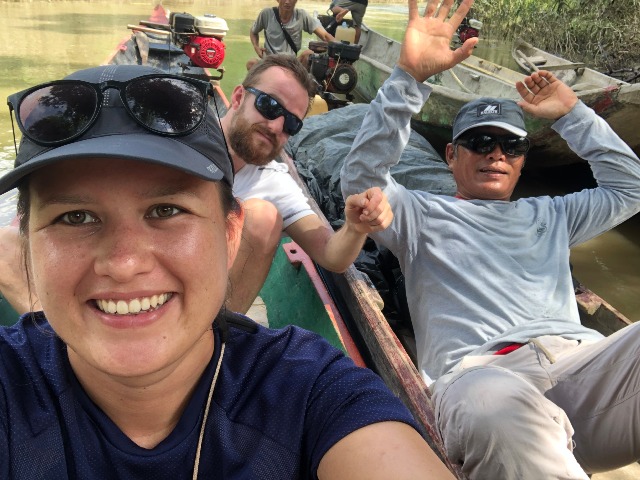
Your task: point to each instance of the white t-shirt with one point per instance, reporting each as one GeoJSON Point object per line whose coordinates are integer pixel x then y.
{"type": "Point", "coordinates": [273, 183]}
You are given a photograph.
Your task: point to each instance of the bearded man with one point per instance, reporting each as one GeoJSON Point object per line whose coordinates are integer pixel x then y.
{"type": "Point", "coordinates": [266, 109]}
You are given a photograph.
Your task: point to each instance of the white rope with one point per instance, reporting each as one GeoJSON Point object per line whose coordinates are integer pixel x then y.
{"type": "Point", "coordinates": [550, 356]}
{"type": "Point", "coordinates": [196, 464]}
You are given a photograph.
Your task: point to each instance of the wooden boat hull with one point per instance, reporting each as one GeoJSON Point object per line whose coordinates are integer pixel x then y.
{"type": "Point", "coordinates": [616, 101]}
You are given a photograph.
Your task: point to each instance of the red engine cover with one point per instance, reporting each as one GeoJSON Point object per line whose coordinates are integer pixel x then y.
{"type": "Point", "coordinates": [467, 32]}
{"type": "Point", "coordinates": [205, 52]}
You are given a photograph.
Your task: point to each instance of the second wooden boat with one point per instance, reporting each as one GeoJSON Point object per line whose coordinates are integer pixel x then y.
{"type": "Point", "coordinates": [616, 101]}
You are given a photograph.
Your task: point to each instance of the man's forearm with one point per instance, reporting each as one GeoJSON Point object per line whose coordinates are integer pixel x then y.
{"type": "Point", "coordinates": [255, 41]}
{"type": "Point", "coordinates": [384, 133]}
{"type": "Point", "coordinates": [324, 35]}
{"type": "Point", "coordinates": [334, 251]}
{"type": "Point", "coordinates": [612, 161]}
{"type": "Point", "coordinates": [343, 248]}
{"type": "Point", "coordinates": [615, 167]}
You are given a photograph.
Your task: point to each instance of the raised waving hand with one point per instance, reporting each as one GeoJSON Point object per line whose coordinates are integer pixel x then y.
{"type": "Point", "coordinates": [426, 46]}
{"type": "Point", "coordinates": [545, 96]}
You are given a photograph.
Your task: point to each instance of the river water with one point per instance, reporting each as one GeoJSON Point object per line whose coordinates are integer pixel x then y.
{"type": "Point", "coordinates": [44, 41]}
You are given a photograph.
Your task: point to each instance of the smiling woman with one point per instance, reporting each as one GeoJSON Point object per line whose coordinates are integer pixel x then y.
{"type": "Point", "coordinates": [134, 368]}
{"type": "Point", "coordinates": [125, 234]}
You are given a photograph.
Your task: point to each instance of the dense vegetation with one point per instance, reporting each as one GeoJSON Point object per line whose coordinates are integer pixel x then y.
{"type": "Point", "coordinates": [601, 33]}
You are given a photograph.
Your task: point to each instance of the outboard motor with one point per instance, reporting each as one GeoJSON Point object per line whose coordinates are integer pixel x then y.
{"type": "Point", "coordinates": [468, 28]}
{"type": "Point", "coordinates": [331, 65]}
{"type": "Point", "coordinates": [200, 37]}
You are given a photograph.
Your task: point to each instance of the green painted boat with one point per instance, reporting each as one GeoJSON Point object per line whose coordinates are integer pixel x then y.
{"type": "Point", "coordinates": [8, 316]}
{"type": "Point", "coordinates": [616, 101]}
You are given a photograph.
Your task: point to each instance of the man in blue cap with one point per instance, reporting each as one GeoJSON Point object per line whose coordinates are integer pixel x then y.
{"type": "Point", "coordinates": [522, 390]}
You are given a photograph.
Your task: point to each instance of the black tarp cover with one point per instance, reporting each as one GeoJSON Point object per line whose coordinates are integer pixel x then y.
{"type": "Point", "coordinates": [319, 150]}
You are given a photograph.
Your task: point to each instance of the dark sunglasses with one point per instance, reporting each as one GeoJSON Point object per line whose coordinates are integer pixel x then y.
{"type": "Point", "coordinates": [59, 112]}
{"type": "Point", "coordinates": [271, 109]}
{"type": "Point", "coordinates": [486, 142]}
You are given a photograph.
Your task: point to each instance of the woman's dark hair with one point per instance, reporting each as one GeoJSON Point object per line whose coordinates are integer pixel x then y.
{"type": "Point", "coordinates": [230, 204]}
{"type": "Point", "coordinates": [24, 202]}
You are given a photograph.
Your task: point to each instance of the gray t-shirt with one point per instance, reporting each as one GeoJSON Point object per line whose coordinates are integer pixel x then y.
{"type": "Point", "coordinates": [274, 39]}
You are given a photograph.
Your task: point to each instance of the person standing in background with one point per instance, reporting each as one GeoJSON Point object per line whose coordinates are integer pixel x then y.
{"type": "Point", "coordinates": [283, 26]}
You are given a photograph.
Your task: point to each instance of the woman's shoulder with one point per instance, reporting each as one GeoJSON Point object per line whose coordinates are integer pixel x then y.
{"type": "Point", "coordinates": [30, 347]}
{"type": "Point", "coordinates": [248, 338]}
{"type": "Point", "coordinates": [33, 375]}
{"type": "Point", "coordinates": [260, 359]}
{"type": "Point", "coordinates": [27, 338]}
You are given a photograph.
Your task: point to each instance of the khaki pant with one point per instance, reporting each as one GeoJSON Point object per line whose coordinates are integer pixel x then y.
{"type": "Point", "coordinates": [554, 408]}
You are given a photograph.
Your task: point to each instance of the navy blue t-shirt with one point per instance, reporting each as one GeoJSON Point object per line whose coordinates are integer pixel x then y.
{"type": "Point", "coordinates": [282, 399]}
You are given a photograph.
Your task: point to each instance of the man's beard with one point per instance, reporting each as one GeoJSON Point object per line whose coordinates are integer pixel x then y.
{"type": "Point", "coordinates": [241, 140]}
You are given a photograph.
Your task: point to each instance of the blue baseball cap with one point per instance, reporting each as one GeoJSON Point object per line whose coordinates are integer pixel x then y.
{"type": "Point", "coordinates": [115, 134]}
{"type": "Point", "coordinates": [494, 112]}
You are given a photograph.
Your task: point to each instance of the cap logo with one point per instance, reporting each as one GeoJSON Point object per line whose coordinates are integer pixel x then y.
{"type": "Point", "coordinates": [490, 109]}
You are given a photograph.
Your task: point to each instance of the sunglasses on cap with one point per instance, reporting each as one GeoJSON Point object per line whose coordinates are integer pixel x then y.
{"type": "Point", "coordinates": [271, 109]}
{"type": "Point", "coordinates": [486, 142]}
{"type": "Point", "coordinates": [59, 112]}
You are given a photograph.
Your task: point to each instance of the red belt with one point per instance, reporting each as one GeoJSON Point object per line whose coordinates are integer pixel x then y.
{"type": "Point", "coordinates": [509, 348]}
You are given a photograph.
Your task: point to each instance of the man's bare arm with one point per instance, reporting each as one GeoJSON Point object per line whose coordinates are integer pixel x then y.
{"type": "Point", "coordinates": [13, 276]}
{"type": "Point", "coordinates": [365, 213]}
{"type": "Point", "coordinates": [255, 41]}
{"type": "Point", "coordinates": [324, 35]}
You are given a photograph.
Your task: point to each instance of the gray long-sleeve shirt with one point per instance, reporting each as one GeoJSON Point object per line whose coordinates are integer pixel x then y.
{"type": "Point", "coordinates": [483, 273]}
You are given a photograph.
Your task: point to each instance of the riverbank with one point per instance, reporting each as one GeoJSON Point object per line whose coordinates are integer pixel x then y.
{"type": "Point", "coordinates": [603, 34]}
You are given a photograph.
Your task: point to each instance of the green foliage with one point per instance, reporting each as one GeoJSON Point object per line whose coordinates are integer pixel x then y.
{"type": "Point", "coordinates": [601, 33]}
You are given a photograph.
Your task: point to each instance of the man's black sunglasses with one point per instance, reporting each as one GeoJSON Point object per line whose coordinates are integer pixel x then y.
{"type": "Point", "coordinates": [271, 109]}
{"type": "Point", "coordinates": [486, 142]}
{"type": "Point", "coordinates": [59, 112]}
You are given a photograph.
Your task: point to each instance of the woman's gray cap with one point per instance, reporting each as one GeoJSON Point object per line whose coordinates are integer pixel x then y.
{"type": "Point", "coordinates": [490, 112]}
{"type": "Point", "coordinates": [115, 134]}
